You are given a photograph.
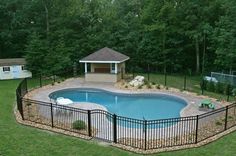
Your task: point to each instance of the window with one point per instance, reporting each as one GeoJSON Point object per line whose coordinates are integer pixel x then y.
{"type": "Point", "coordinates": [23, 68]}
{"type": "Point", "coordinates": [113, 67]}
{"type": "Point", "coordinates": [6, 69]}
{"type": "Point", "coordinates": [89, 67]}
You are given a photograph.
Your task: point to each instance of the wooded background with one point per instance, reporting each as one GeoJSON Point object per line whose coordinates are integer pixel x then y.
{"type": "Point", "coordinates": [195, 35]}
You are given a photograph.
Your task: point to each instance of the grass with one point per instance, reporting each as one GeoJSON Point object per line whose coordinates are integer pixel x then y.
{"type": "Point", "coordinates": [35, 82]}
{"type": "Point", "coordinates": [177, 81]}
{"type": "Point", "coordinates": [16, 139]}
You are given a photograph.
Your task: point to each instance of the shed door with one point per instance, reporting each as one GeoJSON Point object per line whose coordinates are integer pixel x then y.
{"type": "Point", "coordinates": [15, 72]}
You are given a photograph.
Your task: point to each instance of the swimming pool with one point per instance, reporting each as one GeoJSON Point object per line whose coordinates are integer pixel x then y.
{"type": "Point", "coordinates": [137, 106]}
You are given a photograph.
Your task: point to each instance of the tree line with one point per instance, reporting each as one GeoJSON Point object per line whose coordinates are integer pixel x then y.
{"type": "Point", "coordinates": [174, 35]}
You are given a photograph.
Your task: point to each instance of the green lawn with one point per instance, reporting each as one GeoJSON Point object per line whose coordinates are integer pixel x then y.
{"type": "Point", "coordinates": [16, 139]}
{"type": "Point", "coordinates": [177, 81]}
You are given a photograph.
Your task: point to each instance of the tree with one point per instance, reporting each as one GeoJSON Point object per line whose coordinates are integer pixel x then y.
{"type": "Point", "coordinates": [35, 54]}
{"type": "Point", "coordinates": [225, 37]}
{"type": "Point", "coordinates": [171, 35]}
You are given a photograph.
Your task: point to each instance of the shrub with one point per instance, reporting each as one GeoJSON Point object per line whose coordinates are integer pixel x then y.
{"type": "Point", "coordinates": [153, 83]}
{"type": "Point", "coordinates": [140, 87]}
{"type": "Point", "coordinates": [158, 86]}
{"type": "Point", "coordinates": [210, 86]}
{"type": "Point", "coordinates": [228, 89]}
{"type": "Point", "coordinates": [218, 123]}
{"type": "Point", "coordinates": [145, 82]}
{"type": "Point", "coordinates": [219, 88]}
{"type": "Point", "coordinates": [79, 125]}
{"type": "Point", "coordinates": [203, 84]}
{"type": "Point", "coordinates": [234, 92]}
{"type": "Point", "coordinates": [126, 86]}
{"type": "Point", "coordinates": [28, 104]}
{"type": "Point", "coordinates": [149, 86]}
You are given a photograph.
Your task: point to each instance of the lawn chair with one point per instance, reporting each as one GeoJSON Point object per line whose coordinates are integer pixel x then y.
{"type": "Point", "coordinates": [206, 103]}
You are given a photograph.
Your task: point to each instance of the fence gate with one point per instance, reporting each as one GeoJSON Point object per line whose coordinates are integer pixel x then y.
{"type": "Point", "coordinates": [102, 126]}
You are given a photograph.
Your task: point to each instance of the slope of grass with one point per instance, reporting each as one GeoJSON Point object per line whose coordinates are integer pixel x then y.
{"type": "Point", "coordinates": [16, 139]}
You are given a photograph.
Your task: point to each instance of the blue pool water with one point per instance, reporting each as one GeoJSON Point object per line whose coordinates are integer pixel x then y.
{"type": "Point", "coordinates": [137, 106]}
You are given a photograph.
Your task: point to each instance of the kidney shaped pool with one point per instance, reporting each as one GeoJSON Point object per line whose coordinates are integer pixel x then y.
{"type": "Point", "coordinates": [137, 106]}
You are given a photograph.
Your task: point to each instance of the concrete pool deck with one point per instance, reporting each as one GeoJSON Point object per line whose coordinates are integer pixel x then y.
{"type": "Point", "coordinates": [193, 100]}
{"type": "Point", "coordinates": [177, 132]}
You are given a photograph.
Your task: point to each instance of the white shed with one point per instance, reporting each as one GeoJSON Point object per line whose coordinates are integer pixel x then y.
{"type": "Point", "coordinates": [13, 68]}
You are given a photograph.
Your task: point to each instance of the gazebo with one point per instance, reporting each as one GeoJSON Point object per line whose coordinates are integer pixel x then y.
{"type": "Point", "coordinates": [104, 65]}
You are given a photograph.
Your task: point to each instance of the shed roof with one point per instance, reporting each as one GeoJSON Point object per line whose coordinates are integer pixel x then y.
{"type": "Point", "coordinates": [105, 55]}
{"type": "Point", "coordinates": [12, 61]}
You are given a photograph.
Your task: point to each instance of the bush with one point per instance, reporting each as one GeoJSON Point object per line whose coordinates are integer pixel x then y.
{"type": "Point", "coordinates": [140, 87]}
{"type": "Point", "coordinates": [145, 82]}
{"type": "Point", "coordinates": [210, 86]}
{"type": "Point", "coordinates": [153, 83]}
{"type": "Point", "coordinates": [203, 84]}
{"type": "Point", "coordinates": [219, 88]}
{"type": "Point", "coordinates": [158, 86]}
{"type": "Point", "coordinates": [228, 89]}
{"type": "Point", "coordinates": [218, 123]}
{"type": "Point", "coordinates": [149, 86]}
{"type": "Point", "coordinates": [79, 125]}
{"type": "Point", "coordinates": [234, 92]}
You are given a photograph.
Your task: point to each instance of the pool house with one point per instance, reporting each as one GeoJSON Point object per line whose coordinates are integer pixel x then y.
{"type": "Point", "coordinates": [104, 65]}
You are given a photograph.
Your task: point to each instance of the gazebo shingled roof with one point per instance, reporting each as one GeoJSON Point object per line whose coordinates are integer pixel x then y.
{"type": "Point", "coordinates": [105, 54]}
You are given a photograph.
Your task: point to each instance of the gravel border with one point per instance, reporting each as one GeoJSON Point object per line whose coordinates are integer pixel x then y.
{"type": "Point", "coordinates": [191, 108]}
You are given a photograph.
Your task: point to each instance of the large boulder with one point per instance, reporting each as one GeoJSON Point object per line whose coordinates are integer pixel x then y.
{"type": "Point", "coordinates": [139, 78]}
{"type": "Point", "coordinates": [137, 81]}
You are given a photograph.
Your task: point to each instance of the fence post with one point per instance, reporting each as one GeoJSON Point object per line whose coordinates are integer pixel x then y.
{"type": "Point", "coordinates": [226, 116]}
{"type": "Point", "coordinates": [26, 85]}
{"type": "Point", "coordinates": [185, 77]}
{"type": "Point", "coordinates": [202, 85]}
{"type": "Point", "coordinates": [122, 73]}
{"type": "Point", "coordinates": [74, 69]}
{"type": "Point", "coordinates": [89, 123]}
{"type": "Point", "coordinates": [52, 124]}
{"type": "Point", "coordinates": [40, 80]}
{"type": "Point", "coordinates": [114, 128]}
{"type": "Point", "coordinates": [197, 117]}
{"type": "Point", "coordinates": [54, 78]}
{"type": "Point", "coordinates": [22, 109]}
{"type": "Point", "coordinates": [145, 134]}
{"type": "Point", "coordinates": [133, 72]}
{"type": "Point", "coordinates": [165, 78]}
{"type": "Point", "coordinates": [19, 104]}
{"type": "Point", "coordinates": [228, 91]}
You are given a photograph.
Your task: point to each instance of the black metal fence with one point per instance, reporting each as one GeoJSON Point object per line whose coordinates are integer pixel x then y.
{"type": "Point", "coordinates": [185, 80]}
{"type": "Point", "coordinates": [142, 134]}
